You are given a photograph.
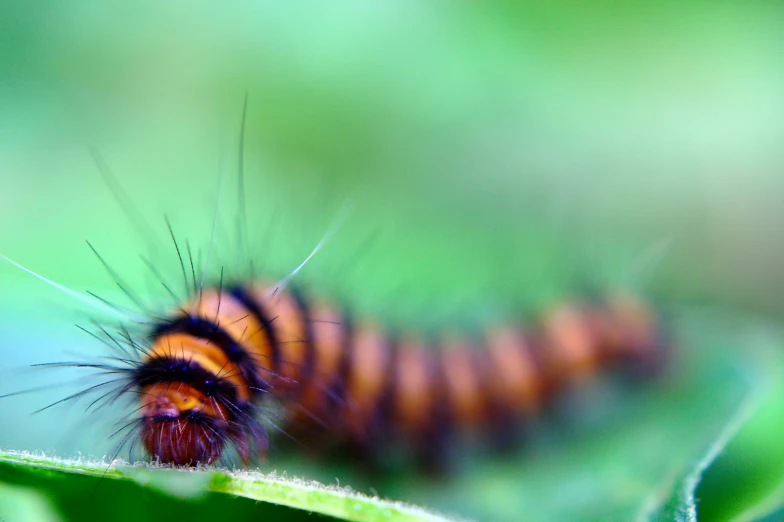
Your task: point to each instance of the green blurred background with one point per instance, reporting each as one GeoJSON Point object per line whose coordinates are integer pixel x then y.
{"type": "Point", "coordinates": [500, 155]}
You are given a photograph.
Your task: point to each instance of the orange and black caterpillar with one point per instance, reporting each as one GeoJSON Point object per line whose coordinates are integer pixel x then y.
{"type": "Point", "coordinates": [209, 366]}
{"type": "Point", "coordinates": [202, 373]}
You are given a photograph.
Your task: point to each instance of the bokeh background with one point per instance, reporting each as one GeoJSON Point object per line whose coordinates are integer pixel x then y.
{"type": "Point", "coordinates": [495, 157]}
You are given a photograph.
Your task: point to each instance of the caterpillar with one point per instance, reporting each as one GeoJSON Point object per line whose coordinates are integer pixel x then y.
{"type": "Point", "coordinates": [210, 363]}
{"type": "Point", "coordinates": [204, 372]}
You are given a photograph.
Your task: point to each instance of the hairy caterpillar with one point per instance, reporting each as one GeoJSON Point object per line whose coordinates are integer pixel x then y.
{"type": "Point", "coordinates": [209, 364]}
{"type": "Point", "coordinates": [202, 371]}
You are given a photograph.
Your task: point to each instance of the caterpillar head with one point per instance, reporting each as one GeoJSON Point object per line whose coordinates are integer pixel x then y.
{"type": "Point", "coordinates": [181, 426]}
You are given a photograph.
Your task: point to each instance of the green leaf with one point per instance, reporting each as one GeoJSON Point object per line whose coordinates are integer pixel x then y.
{"type": "Point", "coordinates": [20, 503]}
{"type": "Point", "coordinates": [682, 505]}
{"type": "Point", "coordinates": [112, 492]}
{"type": "Point", "coordinates": [750, 471]}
